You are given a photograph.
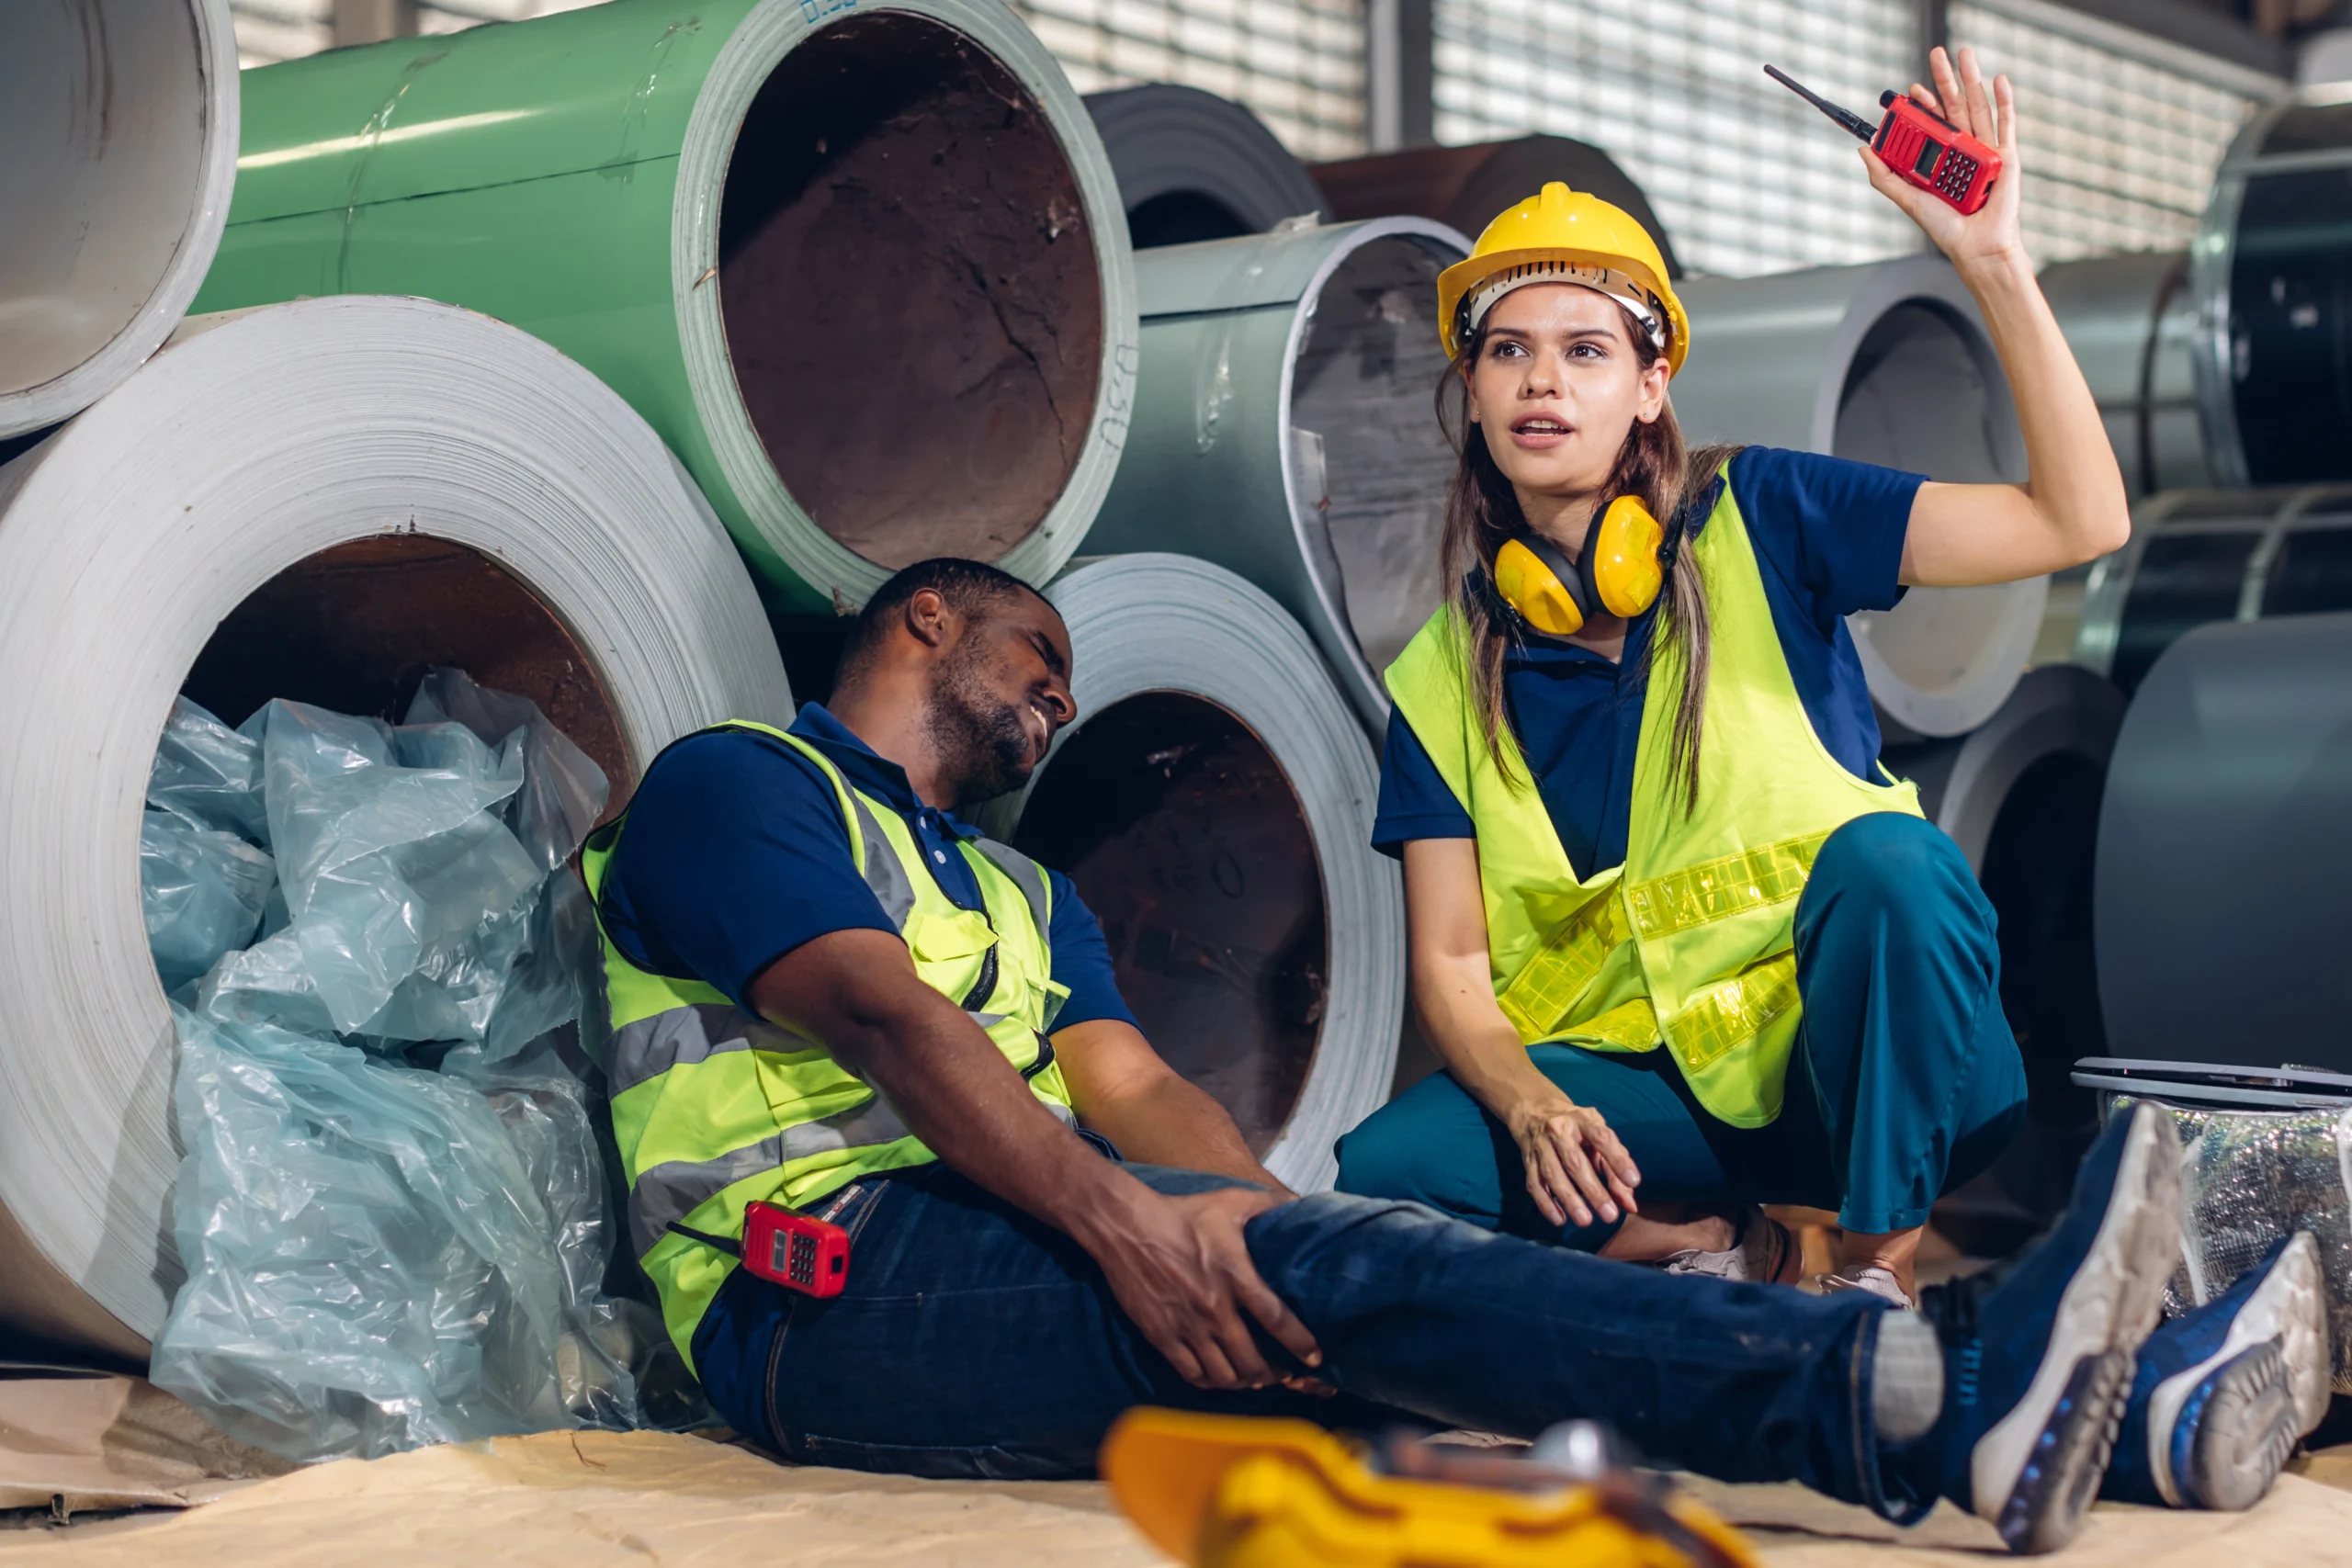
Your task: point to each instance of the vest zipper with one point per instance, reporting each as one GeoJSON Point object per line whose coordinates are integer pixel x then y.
{"type": "Point", "coordinates": [985, 987]}
{"type": "Point", "coordinates": [1045, 1057]}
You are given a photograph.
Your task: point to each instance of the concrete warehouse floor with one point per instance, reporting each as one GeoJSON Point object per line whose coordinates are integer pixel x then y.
{"type": "Point", "coordinates": [580, 1499]}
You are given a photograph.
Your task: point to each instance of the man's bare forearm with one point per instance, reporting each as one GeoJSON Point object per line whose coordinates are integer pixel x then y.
{"type": "Point", "coordinates": [1170, 1121]}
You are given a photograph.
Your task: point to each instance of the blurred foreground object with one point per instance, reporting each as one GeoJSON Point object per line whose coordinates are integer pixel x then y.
{"type": "Point", "coordinates": [1241, 1492]}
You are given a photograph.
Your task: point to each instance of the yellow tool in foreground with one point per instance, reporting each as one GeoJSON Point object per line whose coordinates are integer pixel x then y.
{"type": "Point", "coordinates": [1242, 1491]}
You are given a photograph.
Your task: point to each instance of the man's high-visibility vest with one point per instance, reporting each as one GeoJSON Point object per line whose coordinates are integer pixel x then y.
{"type": "Point", "coordinates": [1689, 942]}
{"type": "Point", "coordinates": [715, 1109]}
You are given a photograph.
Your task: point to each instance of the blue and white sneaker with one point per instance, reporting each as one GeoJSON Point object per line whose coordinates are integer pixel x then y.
{"type": "Point", "coordinates": [2224, 1393]}
{"type": "Point", "coordinates": [2038, 1356]}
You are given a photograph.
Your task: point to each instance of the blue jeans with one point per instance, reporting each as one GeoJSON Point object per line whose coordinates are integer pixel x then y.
{"type": "Point", "coordinates": [1905, 1083]}
{"type": "Point", "coordinates": [974, 1341]}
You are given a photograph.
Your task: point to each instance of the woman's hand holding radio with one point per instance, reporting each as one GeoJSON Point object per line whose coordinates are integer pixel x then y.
{"type": "Point", "coordinates": [1989, 237]}
{"type": "Point", "coordinates": [2072, 507]}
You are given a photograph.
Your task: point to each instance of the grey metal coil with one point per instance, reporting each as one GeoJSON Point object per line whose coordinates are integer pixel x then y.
{"type": "Point", "coordinates": [2131, 321]}
{"type": "Point", "coordinates": [1468, 187]}
{"type": "Point", "coordinates": [2272, 260]}
{"type": "Point", "coordinates": [2222, 850]}
{"type": "Point", "coordinates": [2197, 557]}
{"type": "Point", "coordinates": [1885, 363]}
{"type": "Point", "coordinates": [1192, 167]}
{"type": "Point", "coordinates": [1285, 428]}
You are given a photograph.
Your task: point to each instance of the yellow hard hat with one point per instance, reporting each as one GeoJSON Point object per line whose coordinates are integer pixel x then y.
{"type": "Point", "coordinates": [1560, 235]}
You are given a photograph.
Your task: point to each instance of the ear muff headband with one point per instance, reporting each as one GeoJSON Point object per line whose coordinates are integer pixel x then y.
{"type": "Point", "coordinates": [1618, 571]}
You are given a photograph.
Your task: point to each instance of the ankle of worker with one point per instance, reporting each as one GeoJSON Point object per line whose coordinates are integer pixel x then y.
{"type": "Point", "coordinates": [1907, 1378]}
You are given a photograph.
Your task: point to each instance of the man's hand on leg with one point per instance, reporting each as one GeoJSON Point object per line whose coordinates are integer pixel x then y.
{"type": "Point", "coordinates": [1179, 1267]}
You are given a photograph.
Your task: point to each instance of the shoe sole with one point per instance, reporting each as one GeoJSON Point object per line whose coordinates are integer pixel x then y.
{"type": "Point", "coordinates": [2246, 1429]}
{"type": "Point", "coordinates": [2252, 1399]}
{"type": "Point", "coordinates": [2035, 1471]}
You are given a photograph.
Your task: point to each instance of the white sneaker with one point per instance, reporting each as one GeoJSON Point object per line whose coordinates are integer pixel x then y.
{"type": "Point", "coordinates": [1763, 1250]}
{"type": "Point", "coordinates": [1880, 1283]}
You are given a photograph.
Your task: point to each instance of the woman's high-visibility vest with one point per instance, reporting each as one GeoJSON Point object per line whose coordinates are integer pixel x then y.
{"type": "Point", "coordinates": [1688, 943]}
{"type": "Point", "coordinates": [715, 1109]}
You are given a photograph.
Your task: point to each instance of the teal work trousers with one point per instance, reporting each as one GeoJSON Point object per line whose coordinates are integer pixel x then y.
{"type": "Point", "coordinates": [1905, 1083]}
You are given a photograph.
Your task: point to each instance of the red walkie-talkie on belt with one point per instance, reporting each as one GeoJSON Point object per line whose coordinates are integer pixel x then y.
{"type": "Point", "coordinates": [1932, 153]}
{"type": "Point", "coordinates": [796, 1251]}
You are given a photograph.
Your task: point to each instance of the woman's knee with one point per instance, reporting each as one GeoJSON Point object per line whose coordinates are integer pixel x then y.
{"type": "Point", "coordinates": [1410, 1149]}
{"type": "Point", "coordinates": [1892, 868]}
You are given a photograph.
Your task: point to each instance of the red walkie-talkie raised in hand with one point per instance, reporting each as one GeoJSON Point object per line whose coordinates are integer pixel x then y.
{"type": "Point", "coordinates": [1926, 150]}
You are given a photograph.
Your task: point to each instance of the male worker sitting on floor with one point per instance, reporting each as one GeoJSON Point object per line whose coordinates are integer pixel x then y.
{"type": "Point", "coordinates": [829, 993]}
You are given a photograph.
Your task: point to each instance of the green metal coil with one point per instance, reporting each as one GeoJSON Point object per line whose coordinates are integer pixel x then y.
{"type": "Point", "coordinates": [566, 174]}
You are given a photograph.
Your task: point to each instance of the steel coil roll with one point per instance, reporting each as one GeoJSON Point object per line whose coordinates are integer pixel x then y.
{"type": "Point", "coordinates": [2223, 854]}
{"type": "Point", "coordinates": [2200, 555]}
{"type": "Point", "coordinates": [1284, 429]}
{"type": "Point", "coordinates": [1468, 187]}
{"type": "Point", "coordinates": [1885, 363]}
{"type": "Point", "coordinates": [750, 218]}
{"type": "Point", "coordinates": [316, 501]}
{"type": "Point", "coordinates": [1214, 805]}
{"type": "Point", "coordinates": [2131, 321]}
{"type": "Point", "coordinates": [1193, 166]}
{"type": "Point", "coordinates": [120, 123]}
{"type": "Point", "coordinates": [2273, 360]}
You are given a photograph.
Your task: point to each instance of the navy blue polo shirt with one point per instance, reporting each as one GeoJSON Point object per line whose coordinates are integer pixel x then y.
{"type": "Point", "coordinates": [736, 854]}
{"type": "Point", "coordinates": [1829, 539]}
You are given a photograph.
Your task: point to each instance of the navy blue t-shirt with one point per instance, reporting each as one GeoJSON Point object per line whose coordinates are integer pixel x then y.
{"type": "Point", "coordinates": [1829, 539]}
{"type": "Point", "coordinates": [736, 854]}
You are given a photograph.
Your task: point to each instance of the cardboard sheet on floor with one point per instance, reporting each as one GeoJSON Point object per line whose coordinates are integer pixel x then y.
{"type": "Point", "coordinates": [576, 1499]}
{"type": "Point", "coordinates": [88, 1442]}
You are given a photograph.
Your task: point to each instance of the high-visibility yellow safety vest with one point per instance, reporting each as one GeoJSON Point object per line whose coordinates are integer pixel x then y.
{"type": "Point", "coordinates": [715, 1109]}
{"type": "Point", "coordinates": [1689, 942]}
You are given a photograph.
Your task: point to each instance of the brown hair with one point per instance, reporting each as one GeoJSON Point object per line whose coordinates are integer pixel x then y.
{"type": "Point", "coordinates": [1482, 512]}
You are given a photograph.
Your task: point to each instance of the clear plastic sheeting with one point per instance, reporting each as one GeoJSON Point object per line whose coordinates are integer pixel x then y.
{"type": "Point", "coordinates": [2251, 1177]}
{"type": "Point", "coordinates": [416, 868]}
{"type": "Point", "coordinates": [203, 893]}
{"type": "Point", "coordinates": [391, 1209]}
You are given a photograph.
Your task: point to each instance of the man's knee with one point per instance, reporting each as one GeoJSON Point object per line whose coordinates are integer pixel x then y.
{"type": "Point", "coordinates": [1891, 868]}
{"type": "Point", "coordinates": [1352, 1243]}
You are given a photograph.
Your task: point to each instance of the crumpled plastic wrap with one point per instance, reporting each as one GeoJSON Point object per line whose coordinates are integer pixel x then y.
{"type": "Point", "coordinates": [416, 872]}
{"type": "Point", "coordinates": [392, 1209]}
{"type": "Point", "coordinates": [2251, 1177]}
{"type": "Point", "coordinates": [203, 893]}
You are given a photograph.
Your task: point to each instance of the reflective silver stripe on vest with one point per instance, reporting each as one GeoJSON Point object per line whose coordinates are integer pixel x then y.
{"type": "Point", "coordinates": [884, 874]}
{"type": "Point", "coordinates": [1027, 875]}
{"type": "Point", "coordinates": [681, 1036]}
{"type": "Point", "coordinates": [668, 1193]}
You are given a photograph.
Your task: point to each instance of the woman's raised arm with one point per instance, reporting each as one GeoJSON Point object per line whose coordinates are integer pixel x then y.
{"type": "Point", "coordinates": [2072, 506]}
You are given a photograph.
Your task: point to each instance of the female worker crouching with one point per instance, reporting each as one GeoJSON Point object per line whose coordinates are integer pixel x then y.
{"type": "Point", "coordinates": [1672, 927]}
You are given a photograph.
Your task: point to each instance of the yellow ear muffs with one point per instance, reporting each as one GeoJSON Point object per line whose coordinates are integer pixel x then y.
{"type": "Point", "coordinates": [1620, 557]}
{"type": "Point", "coordinates": [1619, 572]}
{"type": "Point", "coordinates": [1538, 582]}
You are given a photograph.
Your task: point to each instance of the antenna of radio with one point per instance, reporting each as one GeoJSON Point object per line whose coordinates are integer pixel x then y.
{"type": "Point", "coordinates": [1863, 130]}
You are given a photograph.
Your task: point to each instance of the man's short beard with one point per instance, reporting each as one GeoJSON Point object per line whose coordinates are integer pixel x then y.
{"type": "Point", "coordinates": [984, 741]}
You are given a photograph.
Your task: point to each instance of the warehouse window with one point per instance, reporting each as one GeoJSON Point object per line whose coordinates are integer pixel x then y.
{"type": "Point", "coordinates": [2123, 131]}
{"type": "Point", "coordinates": [1299, 64]}
{"type": "Point", "coordinates": [1745, 177]}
